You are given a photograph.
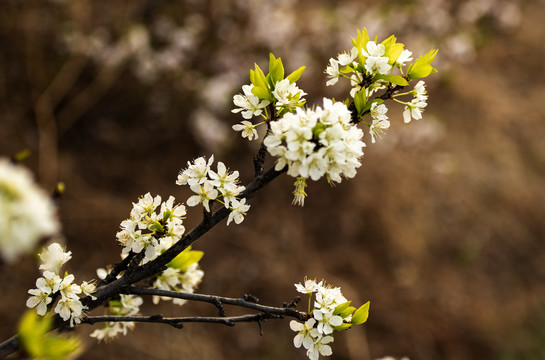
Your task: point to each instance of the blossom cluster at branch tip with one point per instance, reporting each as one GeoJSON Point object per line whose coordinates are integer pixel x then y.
{"type": "Point", "coordinates": [331, 312]}
{"type": "Point", "coordinates": [209, 185]}
{"type": "Point", "coordinates": [318, 142]}
{"type": "Point", "coordinates": [27, 213]}
{"type": "Point", "coordinates": [69, 306]}
{"type": "Point", "coordinates": [153, 226]}
{"type": "Point", "coordinates": [370, 67]}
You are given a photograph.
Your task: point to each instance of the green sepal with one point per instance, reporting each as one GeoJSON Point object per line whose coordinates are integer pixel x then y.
{"type": "Point", "coordinates": [394, 79]}
{"type": "Point", "coordinates": [294, 76]}
{"type": "Point", "coordinates": [422, 66]}
{"type": "Point", "coordinates": [276, 70]}
{"type": "Point", "coordinates": [157, 227]}
{"type": "Point", "coordinates": [392, 49]}
{"type": "Point", "coordinates": [185, 259]}
{"type": "Point", "coordinates": [361, 315]}
{"type": "Point", "coordinates": [343, 326]}
{"type": "Point", "coordinates": [360, 42]}
{"type": "Point", "coordinates": [33, 335]}
{"type": "Point", "coordinates": [317, 130]}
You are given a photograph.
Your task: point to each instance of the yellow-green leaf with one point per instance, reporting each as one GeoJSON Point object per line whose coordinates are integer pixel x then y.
{"type": "Point", "coordinates": [422, 66]}
{"type": "Point", "coordinates": [294, 76]}
{"type": "Point", "coordinates": [361, 315]}
{"type": "Point", "coordinates": [185, 259]}
{"type": "Point", "coordinates": [39, 343]}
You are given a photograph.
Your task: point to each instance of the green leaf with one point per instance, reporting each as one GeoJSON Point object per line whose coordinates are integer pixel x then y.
{"type": "Point", "coordinates": [276, 70]}
{"type": "Point", "coordinates": [360, 42]}
{"type": "Point", "coordinates": [294, 76]}
{"type": "Point", "coordinates": [262, 93]}
{"type": "Point", "coordinates": [342, 307]}
{"type": "Point", "coordinates": [343, 326]}
{"type": "Point", "coordinates": [33, 333]}
{"type": "Point", "coordinates": [360, 100]}
{"type": "Point", "coordinates": [394, 79]}
{"type": "Point", "coordinates": [361, 315]}
{"type": "Point", "coordinates": [392, 49]}
{"type": "Point", "coordinates": [422, 66]}
{"type": "Point", "coordinates": [257, 77]}
{"type": "Point", "coordinates": [185, 259]}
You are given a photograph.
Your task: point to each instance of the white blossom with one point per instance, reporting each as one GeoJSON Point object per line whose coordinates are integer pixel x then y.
{"type": "Point", "coordinates": [380, 121]}
{"type": "Point", "coordinates": [27, 213]}
{"type": "Point", "coordinates": [249, 104]}
{"type": "Point", "coordinates": [54, 257]}
{"type": "Point", "coordinates": [196, 172]}
{"type": "Point", "coordinates": [39, 300]}
{"type": "Point", "coordinates": [247, 130]}
{"type": "Point", "coordinates": [309, 286]}
{"type": "Point", "coordinates": [70, 309]}
{"type": "Point", "coordinates": [238, 211]}
{"type": "Point", "coordinates": [318, 142]}
{"type": "Point", "coordinates": [376, 62]}
{"type": "Point", "coordinates": [303, 330]}
{"type": "Point", "coordinates": [403, 58]}
{"type": "Point", "coordinates": [326, 320]}
{"type": "Point", "coordinates": [288, 95]}
{"type": "Point", "coordinates": [203, 194]}
{"type": "Point", "coordinates": [320, 347]}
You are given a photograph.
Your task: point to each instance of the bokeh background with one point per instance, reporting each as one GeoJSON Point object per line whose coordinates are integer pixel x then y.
{"type": "Point", "coordinates": [442, 229]}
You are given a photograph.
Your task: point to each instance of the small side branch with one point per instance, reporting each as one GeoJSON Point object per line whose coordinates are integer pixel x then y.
{"type": "Point", "coordinates": [219, 301]}
{"type": "Point", "coordinates": [177, 322]}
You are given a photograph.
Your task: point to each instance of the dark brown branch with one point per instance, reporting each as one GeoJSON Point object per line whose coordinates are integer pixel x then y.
{"type": "Point", "coordinates": [178, 321]}
{"type": "Point", "coordinates": [212, 299]}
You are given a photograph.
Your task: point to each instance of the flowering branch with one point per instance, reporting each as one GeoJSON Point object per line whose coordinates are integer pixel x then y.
{"type": "Point", "coordinates": [309, 143]}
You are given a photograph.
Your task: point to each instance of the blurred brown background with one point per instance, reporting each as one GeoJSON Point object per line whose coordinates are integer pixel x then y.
{"type": "Point", "coordinates": [441, 229]}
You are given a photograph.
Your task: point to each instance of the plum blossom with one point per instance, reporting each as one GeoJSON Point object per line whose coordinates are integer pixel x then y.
{"type": "Point", "coordinates": [288, 95]}
{"type": "Point", "coordinates": [238, 211]}
{"type": "Point", "coordinates": [249, 104]}
{"type": "Point", "coordinates": [54, 257]}
{"type": "Point", "coordinates": [318, 142]}
{"type": "Point", "coordinates": [247, 130]}
{"type": "Point", "coordinates": [27, 213]}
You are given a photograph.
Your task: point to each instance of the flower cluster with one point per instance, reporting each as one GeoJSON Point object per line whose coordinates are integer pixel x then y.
{"type": "Point", "coordinates": [316, 142]}
{"type": "Point", "coordinates": [182, 275]}
{"type": "Point", "coordinates": [282, 94]}
{"type": "Point", "coordinates": [153, 226]}
{"type": "Point", "coordinates": [370, 68]}
{"type": "Point", "coordinates": [51, 284]}
{"type": "Point", "coordinates": [126, 305]}
{"type": "Point", "coordinates": [331, 312]}
{"type": "Point", "coordinates": [209, 185]}
{"type": "Point", "coordinates": [27, 214]}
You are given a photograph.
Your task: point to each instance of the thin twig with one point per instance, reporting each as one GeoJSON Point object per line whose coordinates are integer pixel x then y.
{"type": "Point", "coordinates": [177, 321]}
{"type": "Point", "coordinates": [213, 299]}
